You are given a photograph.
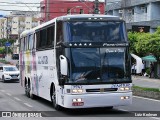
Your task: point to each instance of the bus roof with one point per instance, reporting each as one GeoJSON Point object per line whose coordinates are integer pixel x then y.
{"type": "Point", "coordinates": [67, 17]}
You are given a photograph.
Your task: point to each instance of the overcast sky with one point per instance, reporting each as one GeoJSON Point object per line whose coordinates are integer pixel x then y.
{"type": "Point", "coordinates": [25, 7]}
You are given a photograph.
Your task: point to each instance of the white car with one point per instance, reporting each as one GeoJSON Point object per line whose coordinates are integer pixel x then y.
{"type": "Point", "coordinates": [8, 73]}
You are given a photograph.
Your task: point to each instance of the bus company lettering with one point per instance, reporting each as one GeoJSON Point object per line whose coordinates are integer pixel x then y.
{"type": "Point", "coordinates": [119, 44]}
{"type": "Point", "coordinates": [120, 85]}
{"type": "Point", "coordinates": [42, 59]}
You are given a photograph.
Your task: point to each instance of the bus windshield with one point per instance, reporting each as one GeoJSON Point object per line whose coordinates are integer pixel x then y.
{"type": "Point", "coordinates": [98, 65]}
{"type": "Point", "coordinates": [94, 31]}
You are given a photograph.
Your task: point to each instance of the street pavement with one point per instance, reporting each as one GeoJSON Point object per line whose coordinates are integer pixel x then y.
{"type": "Point", "coordinates": [146, 82]}
{"type": "Point", "coordinates": [12, 98]}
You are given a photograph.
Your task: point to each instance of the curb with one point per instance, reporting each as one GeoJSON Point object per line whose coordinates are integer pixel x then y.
{"type": "Point", "coordinates": [147, 94]}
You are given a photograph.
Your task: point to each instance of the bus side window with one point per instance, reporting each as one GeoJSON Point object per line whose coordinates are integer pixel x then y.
{"type": "Point", "coordinates": [38, 39]}
{"type": "Point", "coordinates": [24, 44]}
{"type": "Point", "coordinates": [34, 43]}
{"type": "Point", "coordinates": [59, 37]}
{"type": "Point", "coordinates": [50, 36]}
{"type": "Point", "coordinates": [43, 38]}
{"type": "Point", "coordinates": [30, 42]}
{"type": "Point", "coordinates": [21, 43]}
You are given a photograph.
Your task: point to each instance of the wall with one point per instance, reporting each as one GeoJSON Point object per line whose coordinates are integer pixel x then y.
{"type": "Point", "coordinates": [60, 8]}
{"type": "Point", "coordinates": [155, 11]}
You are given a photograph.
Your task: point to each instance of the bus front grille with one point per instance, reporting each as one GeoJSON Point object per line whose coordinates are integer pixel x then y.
{"type": "Point", "coordinates": [101, 90]}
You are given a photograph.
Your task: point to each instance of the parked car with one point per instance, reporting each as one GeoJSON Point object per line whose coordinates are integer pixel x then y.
{"type": "Point", "coordinates": [15, 56]}
{"type": "Point", "coordinates": [8, 73]}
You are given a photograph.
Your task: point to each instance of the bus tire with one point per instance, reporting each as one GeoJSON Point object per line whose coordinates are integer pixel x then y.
{"type": "Point", "coordinates": [53, 99]}
{"type": "Point", "coordinates": [27, 89]}
{"type": "Point", "coordinates": [31, 95]}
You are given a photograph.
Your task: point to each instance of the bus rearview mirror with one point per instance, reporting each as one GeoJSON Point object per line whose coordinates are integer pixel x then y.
{"type": "Point", "coordinates": [63, 65]}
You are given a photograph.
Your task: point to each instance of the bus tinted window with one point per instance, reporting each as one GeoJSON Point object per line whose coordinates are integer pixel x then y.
{"type": "Point", "coordinates": [38, 39]}
{"type": "Point", "coordinates": [43, 38]}
{"type": "Point", "coordinates": [50, 36]}
{"type": "Point", "coordinates": [30, 40]}
{"type": "Point", "coordinates": [59, 32]}
{"type": "Point", "coordinates": [94, 31]}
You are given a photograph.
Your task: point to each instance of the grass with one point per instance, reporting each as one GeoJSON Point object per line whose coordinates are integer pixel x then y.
{"type": "Point", "coordinates": [147, 89]}
{"type": "Point", "coordinates": [4, 61]}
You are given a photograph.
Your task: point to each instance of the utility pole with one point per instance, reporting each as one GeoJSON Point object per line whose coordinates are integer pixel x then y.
{"type": "Point", "coordinates": [47, 10]}
{"type": "Point", "coordinates": [7, 37]}
{"type": "Point", "coordinates": [96, 7]}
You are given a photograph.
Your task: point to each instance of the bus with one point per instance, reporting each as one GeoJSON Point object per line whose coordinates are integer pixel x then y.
{"type": "Point", "coordinates": [77, 61]}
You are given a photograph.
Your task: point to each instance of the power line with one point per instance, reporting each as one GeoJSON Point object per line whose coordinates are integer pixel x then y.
{"type": "Point", "coordinates": [31, 11]}
{"type": "Point", "coordinates": [49, 3]}
{"type": "Point", "coordinates": [18, 6]}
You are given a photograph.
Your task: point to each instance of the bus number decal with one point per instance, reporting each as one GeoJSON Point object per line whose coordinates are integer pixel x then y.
{"type": "Point", "coordinates": [76, 86]}
{"type": "Point", "coordinates": [42, 59]}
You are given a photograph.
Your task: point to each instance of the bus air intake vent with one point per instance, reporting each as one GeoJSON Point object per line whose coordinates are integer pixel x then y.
{"type": "Point", "coordinates": [101, 90]}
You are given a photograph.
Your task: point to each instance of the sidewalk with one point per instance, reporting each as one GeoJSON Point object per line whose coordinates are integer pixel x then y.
{"type": "Point", "coordinates": [142, 81]}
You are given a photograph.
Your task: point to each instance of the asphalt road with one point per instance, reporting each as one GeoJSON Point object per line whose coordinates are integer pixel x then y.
{"type": "Point", "coordinates": [12, 98]}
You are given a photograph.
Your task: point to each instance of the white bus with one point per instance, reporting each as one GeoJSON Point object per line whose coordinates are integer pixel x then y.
{"type": "Point", "coordinates": [77, 61]}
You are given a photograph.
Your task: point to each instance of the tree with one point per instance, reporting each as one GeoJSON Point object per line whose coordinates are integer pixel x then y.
{"type": "Point", "coordinates": [145, 43]}
{"type": "Point", "coordinates": [3, 49]}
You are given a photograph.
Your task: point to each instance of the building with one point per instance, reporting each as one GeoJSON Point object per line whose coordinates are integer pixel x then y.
{"type": "Point", "coordinates": [140, 15]}
{"type": "Point", "coordinates": [13, 25]}
{"type": "Point", "coordinates": [54, 8]}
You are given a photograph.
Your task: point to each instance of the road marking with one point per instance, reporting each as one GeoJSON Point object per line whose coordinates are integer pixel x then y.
{"type": "Point", "coordinates": [9, 94]}
{"type": "Point", "coordinates": [147, 98]}
{"type": "Point", "coordinates": [28, 105]}
{"type": "Point", "coordinates": [155, 118]}
{"type": "Point", "coordinates": [17, 98]}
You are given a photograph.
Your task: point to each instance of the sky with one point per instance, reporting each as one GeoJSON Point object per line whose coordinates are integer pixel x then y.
{"type": "Point", "coordinates": [14, 6]}
{"type": "Point", "coordinates": [20, 6]}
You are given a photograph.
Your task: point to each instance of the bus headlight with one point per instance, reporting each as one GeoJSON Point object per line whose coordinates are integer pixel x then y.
{"type": "Point", "coordinates": [124, 88]}
{"type": "Point", "coordinates": [77, 90]}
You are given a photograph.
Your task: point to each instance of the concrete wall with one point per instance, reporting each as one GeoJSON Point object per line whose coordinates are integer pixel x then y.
{"type": "Point", "coordinates": [155, 11]}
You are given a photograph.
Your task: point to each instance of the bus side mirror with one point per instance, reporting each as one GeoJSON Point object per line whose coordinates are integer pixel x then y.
{"type": "Point", "coordinates": [63, 65]}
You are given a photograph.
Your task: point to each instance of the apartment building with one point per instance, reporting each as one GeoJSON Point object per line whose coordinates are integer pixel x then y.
{"type": "Point", "coordinates": [140, 15]}
{"type": "Point", "coordinates": [11, 26]}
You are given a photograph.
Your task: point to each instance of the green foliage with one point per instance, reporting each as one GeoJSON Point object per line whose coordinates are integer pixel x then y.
{"type": "Point", "coordinates": [146, 89]}
{"type": "Point", "coordinates": [148, 70]}
{"type": "Point", "coordinates": [3, 41]}
{"type": "Point", "coordinates": [5, 62]}
{"type": "Point", "coordinates": [145, 43]}
{"type": "Point", "coordinates": [3, 48]}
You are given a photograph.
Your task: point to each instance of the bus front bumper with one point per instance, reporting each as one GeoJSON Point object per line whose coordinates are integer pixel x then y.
{"type": "Point", "coordinates": [97, 100]}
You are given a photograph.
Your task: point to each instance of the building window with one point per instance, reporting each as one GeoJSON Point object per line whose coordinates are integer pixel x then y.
{"type": "Point", "coordinates": [144, 9]}
{"type": "Point", "coordinates": [81, 11]}
{"type": "Point", "coordinates": [68, 10]}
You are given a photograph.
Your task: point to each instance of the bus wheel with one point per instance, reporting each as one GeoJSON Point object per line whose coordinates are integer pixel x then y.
{"type": "Point", "coordinates": [27, 89]}
{"type": "Point", "coordinates": [53, 98]}
{"type": "Point", "coordinates": [32, 96]}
